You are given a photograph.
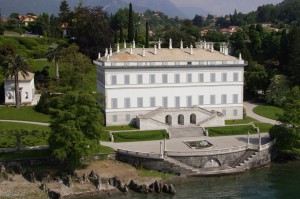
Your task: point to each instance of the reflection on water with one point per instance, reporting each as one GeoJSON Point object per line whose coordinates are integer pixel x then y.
{"type": "Point", "coordinates": [276, 181]}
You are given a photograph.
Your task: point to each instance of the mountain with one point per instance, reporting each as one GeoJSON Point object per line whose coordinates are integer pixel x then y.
{"type": "Point", "coordinates": [190, 12]}
{"type": "Point", "coordinates": [111, 6]}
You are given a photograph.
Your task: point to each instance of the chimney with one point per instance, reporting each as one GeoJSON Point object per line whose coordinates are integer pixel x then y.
{"type": "Point", "coordinates": [133, 44]}
{"type": "Point", "coordinates": [212, 47]}
{"type": "Point", "coordinates": [155, 50]}
{"type": "Point", "coordinates": [110, 51]}
{"type": "Point", "coordinates": [118, 47]}
{"type": "Point", "coordinates": [144, 52]}
{"type": "Point", "coordinates": [106, 52]}
{"type": "Point", "coordinates": [124, 44]}
{"type": "Point", "coordinates": [191, 50]}
{"type": "Point", "coordinates": [181, 44]}
{"type": "Point", "coordinates": [170, 44]}
{"type": "Point", "coordinates": [159, 44]}
{"type": "Point", "coordinates": [240, 57]}
{"type": "Point", "coordinates": [131, 50]}
{"type": "Point", "coordinates": [99, 55]}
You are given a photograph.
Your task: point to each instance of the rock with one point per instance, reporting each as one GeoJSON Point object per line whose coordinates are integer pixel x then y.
{"type": "Point", "coordinates": [54, 195]}
{"type": "Point", "coordinates": [29, 175]}
{"type": "Point", "coordinates": [172, 189]}
{"type": "Point", "coordinates": [93, 174]}
{"type": "Point", "coordinates": [133, 186]}
{"type": "Point", "coordinates": [43, 187]}
{"type": "Point", "coordinates": [143, 189]}
{"type": "Point", "coordinates": [85, 178]}
{"type": "Point", "coordinates": [157, 187]}
{"type": "Point", "coordinates": [98, 183]}
{"type": "Point", "coordinates": [165, 188]}
{"type": "Point", "coordinates": [69, 182]}
{"type": "Point", "coordinates": [2, 168]}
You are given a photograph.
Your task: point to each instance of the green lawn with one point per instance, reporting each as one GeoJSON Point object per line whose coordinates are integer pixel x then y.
{"type": "Point", "coordinates": [25, 154]}
{"type": "Point", "coordinates": [263, 127]}
{"type": "Point", "coordinates": [24, 113]}
{"type": "Point", "coordinates": [140, 136]}
{"type": "Point", "coordinates": [267, 111]}
{"type": "Point", "coordinates": [106, 149]}
{"type": "Point", "coordinates": [247, 120]}
{"type": "Point", "coordinates": [105, 136]}
{"type": "Point", "coordinates": [39, 64]}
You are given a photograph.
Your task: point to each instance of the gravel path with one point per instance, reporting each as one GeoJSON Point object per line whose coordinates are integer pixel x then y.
{"type": "Point", "coordinates": [27, 122]}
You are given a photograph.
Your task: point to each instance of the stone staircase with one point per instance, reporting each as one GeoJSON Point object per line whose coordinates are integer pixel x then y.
{"type": "Point", "coordinates": [186, 132]}
{"type": "Point", "coordinates": [244, 159]}
{"type": "Point", "coordinates": [179, 167]}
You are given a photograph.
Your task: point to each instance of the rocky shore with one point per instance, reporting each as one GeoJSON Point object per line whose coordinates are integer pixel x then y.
{"type": "Point", "coordinates": [101, 178]}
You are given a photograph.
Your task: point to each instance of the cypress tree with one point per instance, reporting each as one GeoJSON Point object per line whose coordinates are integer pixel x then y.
{"type": "Point", "coordinates": [136, 36]}
{"type": "Point", "coordinates": [121, 35]}
{"type": "Point", "coordinates": [284, 52]}
{"type": "Point", "coordinates": [130, 24]}
{"type": "Point", "coordinates": [147, 34]}
{"type": "Point", "coordinates": [116, 37]}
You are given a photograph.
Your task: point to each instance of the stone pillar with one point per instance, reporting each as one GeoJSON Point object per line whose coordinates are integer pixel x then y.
{"type": "Point", "coordinates": [155, 50]}
{"type": "Point", "coordinates": [259, 141]}
{"type": "Point", "coordinates": [110, 51]}
{"type": "Point", "coordinates": [165, 145]}
{"type": "Point", "coordinates": [191, 50]}
{"type": "Point", "coordinates": [204, 44]}
{"type": "Point", "coordinates": [125, 44]}
{"type": "Point", "coordinates": [240, 57]}
{"type": "Point", "coordinates": [170, 44]}
{"type": "Point", "coordinates": [144, 52]}
{"type": "Point", "coordinates": [181, 44]}
{"type": "Point", "coordinates": [212, 47]}
{"type": "Point", "coordinates": [159, 44]}
{"type": "Point", "coordinates": [133, 44]}
{"type": "Point", "coordinates": [161, 150]}
{"type": "Point", "coordinates": [99, 55]}
{"type": "Point", "coordinates": [106, 52]}
{"type": "Point", "coordinates": [118, 47]}
{"type": "Point", "coordinates": [131, 50]}
{"type": "Point", "coordinates": [248, 139]}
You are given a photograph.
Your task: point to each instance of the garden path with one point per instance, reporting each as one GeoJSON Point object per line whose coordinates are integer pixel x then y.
{"type": "Point", "coordinates": [27, 122]}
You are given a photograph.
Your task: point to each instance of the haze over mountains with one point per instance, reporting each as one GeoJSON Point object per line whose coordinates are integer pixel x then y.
{"type": "Point", "coordinates": [180, 8]}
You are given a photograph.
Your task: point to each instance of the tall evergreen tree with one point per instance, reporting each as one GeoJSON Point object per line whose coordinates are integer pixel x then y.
{"type": "Point", "coordinates": [294, 58]}
{"type": "Point", "coordinates": [121, 35]}
{"type": "Point", "coordinates": [147, 34]}
{"type": "Point", "coordinates": [136, 36]}
{"type": "Point", "coordinates": [130, 24]}
{"type": "Point", "coordinates": [284, 52]}
{"type": "Point", "coordinates": [64, 12]}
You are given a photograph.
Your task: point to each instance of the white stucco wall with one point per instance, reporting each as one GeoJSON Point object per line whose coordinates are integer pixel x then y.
{"type": "Point", "coordinates": [28, 89]}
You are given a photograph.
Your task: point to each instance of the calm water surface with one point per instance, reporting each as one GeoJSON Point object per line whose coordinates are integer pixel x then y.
{"type": "Point", "coordinates": [276, 181]}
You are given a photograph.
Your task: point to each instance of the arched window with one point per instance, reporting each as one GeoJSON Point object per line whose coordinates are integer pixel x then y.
{"type": "Point", "coordinates": [168, 120]}
{"type": "Point", "coordinates": [180, 119]}
{"type": "Point", "coordinates": [192, 119]}
{"type": "Point", "coordinates": [26, 95]}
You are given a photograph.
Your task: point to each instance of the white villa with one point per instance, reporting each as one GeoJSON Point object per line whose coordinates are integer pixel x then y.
{"type": "Point", "coordinates": [158, 88]}
{"type": "Point", "coordinates": [26, 89]}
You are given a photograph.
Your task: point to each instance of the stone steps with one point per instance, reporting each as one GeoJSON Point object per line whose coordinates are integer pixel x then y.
{"type": "Point", "coordinates": [186, 132]}
{"type": "Point", "coordinates": [181, 168]}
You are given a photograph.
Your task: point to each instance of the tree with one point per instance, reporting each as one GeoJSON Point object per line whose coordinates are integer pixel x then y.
{"type": "Point", "coordinates": [176, 37]}
{"type": "Point", "coordinates": [90, 30]}
{"type": "Point", "coordinates": [1, 29]}
{"type": "Point", "coordinates": [121, 35]}
{"type": "Point", "coordinates": [198, 21]}
{"type": "Point", "coordinates": [277, 90]}
{"type": "Point", "coordinates": [53, 53]}
{"type": "Point", "coordinates": [147, 34]}
{"type": "Point", "coordinates": [130, 24]}
{"type": "Point", "coordinates": [64, 12]}
{"type": "Point", "coordinates": [287, 134]}
{"type": "Point", "coordinates": [76, 127]}
{"type": "Point", "coordinates": [284, 51]}
{"type": "Point", "coordinates": [14, 67]}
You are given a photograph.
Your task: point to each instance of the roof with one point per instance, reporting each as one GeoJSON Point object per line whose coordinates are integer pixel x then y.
{"type": "Point", "coordinates": [29, 77]}
{"type": "Point", "coordinates": [165, 54]}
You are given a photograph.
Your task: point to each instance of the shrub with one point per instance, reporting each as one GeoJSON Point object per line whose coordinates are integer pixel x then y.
{"type": "Point", "coordinates": [29, 43]}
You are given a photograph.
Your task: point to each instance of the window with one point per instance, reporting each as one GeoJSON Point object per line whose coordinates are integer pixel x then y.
{"type": "Point", "coordinates": [152, 79]}
{"type": "Point", "coordinates": [115, 118]}
{"type": "Point", "coordinates": [201, 77]}
{"type": "Point", "coordinates": [235, 77]}
{"type": "Point", "coordinates": [140, 79]}
{"type": "Point", "coordinates": [126, 79]}
{"type": "Point", "coordinates": [224, 112]}
{"type": "Point", "coordinates": [235, 98]}
{"type": "Point", "coordinates": [127, 103]}
{"type": "Point", "coordinates": [224, 77]}
{"type": "Point", "coordinates": [212, 99]}
{"type": "Point", "coordinates": [224, 99]}
{"type": "Point", "coordinates": [10, 96]}
{"type": "Point", "coordinates": [177, 78]}
{"type": "Point", "coordinates": [212, 77]}
{"type": "Point", "coordinates": [127, 117]}
{"type": "Point", "coordinates": [152, 102]}
{"type": "Point", "coordinates": [164, 78]}
{"type": "Point", "coordinates": [113, 79]}
{"type": "Point", "coordinates": [114, 103]}
{"type": "Point", "coordinates": [235, 112]}
{"type": "Point", "coordinates": [140, 102]}
{"type": "Point", "coordinates": [189, 101]}
{"type": "Point", "coordinates": [189, 78]}
{"type": "Point", "coordinates": [177, 101]}
{"type": "Point", "coordinates": [26, 95]}
{"type": "Point", "coordinates": [200, 99]}
{"type": "Point", "coordinates": [165, 102]}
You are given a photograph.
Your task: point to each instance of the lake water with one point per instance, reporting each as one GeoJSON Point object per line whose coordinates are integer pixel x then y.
{"type": "Point", "coordinates": [276, 181]}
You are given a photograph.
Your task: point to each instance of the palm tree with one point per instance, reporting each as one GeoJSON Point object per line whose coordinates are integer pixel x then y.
{"type": "Point", "coordinates": [53, 53]}
{"type": "Point", "coordinates": [14, 66]}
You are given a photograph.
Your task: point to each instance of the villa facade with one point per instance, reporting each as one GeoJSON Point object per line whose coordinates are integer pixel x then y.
{"type": "Point", "coordinates": [159, 88]}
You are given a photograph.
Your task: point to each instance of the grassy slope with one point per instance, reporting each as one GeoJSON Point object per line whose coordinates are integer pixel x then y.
{"type": "Point", "coordinates": [267, 111]}
{"type": "Point", "coordinates": [23, 113]}
{"type": "Point", "coordinates": [247, 120]}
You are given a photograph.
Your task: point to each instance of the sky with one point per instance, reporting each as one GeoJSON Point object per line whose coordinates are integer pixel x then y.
{"type": "Point", "coordinates": [222, 7]}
